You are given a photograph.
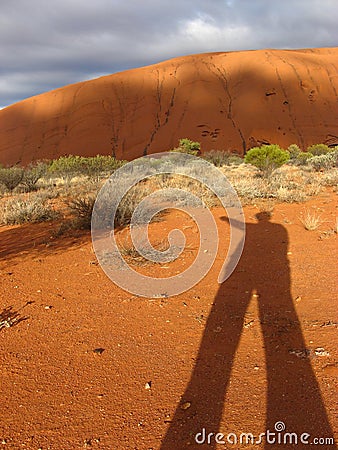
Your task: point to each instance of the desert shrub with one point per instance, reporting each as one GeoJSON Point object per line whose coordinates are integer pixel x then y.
{"type": "Point", "coordinates": [95, 167]}
{"type": "Point", "coordinates": [325, 161]}
{"type": "Point", "coordinates": [11, 177]}
{"type": "Point", "coordinates": [221, 158]}
{"type": "Point", "coordinates": [23, 210]}
{"type": "Point", "coordinates": [330, 178]}
{"type": "Point", "coordinates": [82, 209]}
{"type": "Point", "coordinates": [318, 149]}
{"type": "Point", "coordinates": [32, 174]}
{"type": "Point", "coordinates": [67, 167]}
{"type": "Point", "coordinates": [249, 188]}
{"type": "Point", "coordinates": [267, 158]}
{"type": "Point", "coordinates": [302, 159]}
{"type": "Point", "coordinates": [294, 152]}
{"type": "Point", "coordinates": [188, 146]}
{"type": "Point", "coordinates": [130, 201]}
{"type": "Point", "coordinates": [235, 160]}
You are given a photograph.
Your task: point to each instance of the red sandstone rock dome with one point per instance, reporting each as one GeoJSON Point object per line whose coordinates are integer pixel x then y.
{"type": "Point", "coordinates": [226, 101]}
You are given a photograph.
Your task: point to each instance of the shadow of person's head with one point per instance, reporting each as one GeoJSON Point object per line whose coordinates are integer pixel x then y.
{"type": "Point", "coordinates": [263, 216]}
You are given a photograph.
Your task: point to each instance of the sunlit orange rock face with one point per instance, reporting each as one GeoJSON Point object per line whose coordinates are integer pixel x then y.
{"type": "Point", "coordinates": [226, 101]}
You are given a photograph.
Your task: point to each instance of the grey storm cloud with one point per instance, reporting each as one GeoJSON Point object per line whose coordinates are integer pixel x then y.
{"type": "Point", "coordinates": [45, 45]}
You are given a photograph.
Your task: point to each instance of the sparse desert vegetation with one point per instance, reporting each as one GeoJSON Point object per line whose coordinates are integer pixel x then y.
{"type": "Point", "coordinates": [29, 209]}
{"type": "Point", "coordinates": [65, 189]}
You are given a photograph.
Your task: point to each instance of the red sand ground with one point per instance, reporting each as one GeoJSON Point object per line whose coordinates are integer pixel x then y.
{"type": "Point", "coordinates": [226, 101]}
{"type": "Point", "coordinates": [239, 357]}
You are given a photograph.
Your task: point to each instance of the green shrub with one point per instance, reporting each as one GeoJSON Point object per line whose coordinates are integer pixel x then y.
{"type": "Point", "coordinates": [294, 152]}
{"type": "Point", "coordinates": [324, 162]}
{"type": "Point", "coordinates": [267, 158]}
{"type": "Point", "coordinates": [95, 167]}
{"type": "Point", "coordinates": [302, 159]}
{"type": "Point", "coordinates": [32, 174]}
{"type": "Point", "coordinates": [11, 177]}
{"type": "Point", "coordinates": [188, 146]}
{"type": "Point", "coordinates": [68, 167]}
{"type": "Point", "coordinates": [221, 158]}
{"type": "Point", "coordinates": [20, 210]}
{"type": "Point", "coordinates": [319, 149]}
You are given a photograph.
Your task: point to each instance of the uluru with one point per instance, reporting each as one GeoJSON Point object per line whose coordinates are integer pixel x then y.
{"type": "Point", "coordinates": [225, 100]}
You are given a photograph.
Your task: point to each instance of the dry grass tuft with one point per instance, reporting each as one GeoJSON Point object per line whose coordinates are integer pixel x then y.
{"type": "Point", "coordinates": [32, 209]}
{"type": "Point", "coordinates": [311, 220]}
{"type": "Point", "coordinates": [133, 257]}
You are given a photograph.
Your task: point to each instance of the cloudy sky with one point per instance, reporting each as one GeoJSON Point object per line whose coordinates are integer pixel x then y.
{"type": "Point", "coordinates": [48, 44]}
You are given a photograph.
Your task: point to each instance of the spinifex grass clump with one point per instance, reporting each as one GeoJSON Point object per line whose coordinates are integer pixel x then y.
{"type": "Point", "coordinates": [82, 209]}
{"type": "Point", "coordinates": [19, 210]}
{"type": "Point", "coordinates": [311, 221]}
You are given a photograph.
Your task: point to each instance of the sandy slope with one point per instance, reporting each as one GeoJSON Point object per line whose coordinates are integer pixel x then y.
{"type": "Point", "coordinates": [224, 100]}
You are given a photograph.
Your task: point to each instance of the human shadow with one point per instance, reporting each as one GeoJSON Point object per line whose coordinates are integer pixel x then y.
{"type": "Point", "coordinates": [293, 394]}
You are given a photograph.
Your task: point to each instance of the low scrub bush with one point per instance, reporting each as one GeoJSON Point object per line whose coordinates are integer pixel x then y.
{"type": "Point", "coordinates": [188, 146]}
{"type": "Point", "coordinates": [294, 151]}
{"type": "Point", "coordinates": [325, 161]}
{"type": "Point", "coordinates": [95, 167]}
{"type": "Point", "coordinates": [130, 201]}
{"type": "Point", "coordinates": [32, 174]}
{"type": "Point", "coordinates": [148, 256]}
{"type": "Point", "coordinates": [82, 209]}
{"type": "Point", "coordinates": [297, 156]}
{"type": "Point", "coordinates": [330, 178]}
{"type": "Point", "coordinates": [24, 210]}
{"type": "Point", "coordinates": [180, 186]}
{"type": "Point", "coordinates": [319, 149]}
{"type": "Point", "coordinates": [68, 167]}
{"type": "Point", "coordinates": [302, 159]}
{"type": "Point", "coordinates": [221, 158]}
{"type": "Point", "coordinates": [285, 184]}
{"type": "Point", "coordinates": [267, 158]}
{"type": "Point", "coordinates": [11, 177]}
